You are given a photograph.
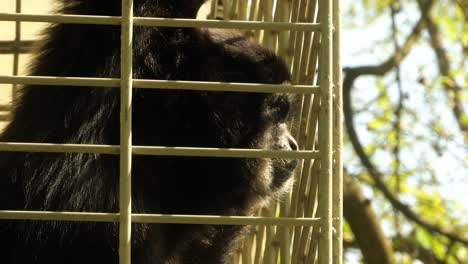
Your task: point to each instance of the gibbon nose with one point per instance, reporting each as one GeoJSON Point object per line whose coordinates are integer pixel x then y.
{"type": "Point", "coordinates": [291, 164]}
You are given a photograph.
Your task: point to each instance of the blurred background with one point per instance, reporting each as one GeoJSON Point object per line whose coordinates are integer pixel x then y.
{"type": "Point", "coordinates": [405, 93]}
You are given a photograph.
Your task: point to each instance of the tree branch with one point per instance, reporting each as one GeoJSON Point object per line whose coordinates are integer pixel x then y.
{"type": "Point", "coordinates": [351, 75]}
{"type": "Point", "coordinates": [464, 7]}
{"type": "Point", "coordinates": [365, 225]}
{"type": "Point", "coordinates": [451, 87]}
{"type": "Point", "coordinates": [407, 246]}
{"type": "Point", "coordinates": [394, 9]}
{"type": "Point", "coordinates": [393, 61]}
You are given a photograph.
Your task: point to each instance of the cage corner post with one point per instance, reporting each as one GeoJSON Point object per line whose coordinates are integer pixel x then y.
{"type": "Point", "coordinates": [125, 200]}
{"type": "Point", "coordinates": [325, 133]}
{"type": "Point", "coordinates": [337, 210]}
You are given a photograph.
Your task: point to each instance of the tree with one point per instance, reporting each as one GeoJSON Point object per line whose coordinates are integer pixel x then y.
{"type": "Point", "coordinates": [409, 132]}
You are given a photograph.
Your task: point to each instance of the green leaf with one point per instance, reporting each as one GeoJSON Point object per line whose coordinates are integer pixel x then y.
{"type": "Point", "coordinates": [376, 124]}
{"type": "Point", "coordinates": [464, 120]}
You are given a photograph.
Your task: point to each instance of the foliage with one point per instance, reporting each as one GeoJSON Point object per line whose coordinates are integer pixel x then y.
{"type": "Point", "coordinates": [413, 121]}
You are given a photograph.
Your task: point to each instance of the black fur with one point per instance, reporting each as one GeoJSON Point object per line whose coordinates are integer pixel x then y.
{"type": "Point", "coordinates": [170, 185]}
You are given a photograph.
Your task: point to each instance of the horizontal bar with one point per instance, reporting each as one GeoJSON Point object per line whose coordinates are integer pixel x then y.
{"type": "Point", "coordinates": [158, 218]}
{"type": "Point", "coordinates": [21, 46]}
{"type": "Point", "coordinates": [233, 24]}
{"type": "Point", "coordinates": [162, 22]}
{"type": "Point", "coordinates": [60, 81]}
{"type": "Point", "coordinates": [228, 87]}
{"type": "Point", "coordinates": [59, 148]}
{"type": "Point", "coordinates": [225, 153]}
{"type": "Point", "coordinates": [60, 18]}
{"type": "Point", "coordinates": [59, 216]}
{"type": "Point", "coordinates": [223, 220]}
{"type": "Point", "coordinates": [159, 151]}
{"type": "Point", "coordinates": [5, 107]}
{"type": "Point", "coordinates": [161, 84]}
{"type": "Point", "coordinates": [5, 117]}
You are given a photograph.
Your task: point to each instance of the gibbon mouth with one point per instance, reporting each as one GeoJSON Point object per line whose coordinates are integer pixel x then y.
{"type": "Point", "coordinates": [283, 170]}
{"type": "Point", "coordinates": [291, 164]}
{"type": "Point", "coordinates": [287, 164]}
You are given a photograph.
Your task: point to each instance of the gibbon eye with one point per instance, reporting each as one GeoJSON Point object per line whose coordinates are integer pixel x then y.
{"type": "Point", "coordinates": [283, 109]}
{"type": "Point", "coordinates": [278, 107]}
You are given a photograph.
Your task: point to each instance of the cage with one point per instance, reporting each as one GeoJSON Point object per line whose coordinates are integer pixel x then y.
{"type": "Point", "coordinates": [304, 227]}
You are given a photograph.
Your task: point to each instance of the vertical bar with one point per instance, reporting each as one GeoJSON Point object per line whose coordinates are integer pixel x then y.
{"type": "Point", "coordinates": [338, 138]}
{"type": "Point", "coordinates": [214, 9]}
{"type": "Point", "coordinates": [268, 17]}
{"type": "Point", "coordinates": [326, 79]}
{"type": "Point", "coordinates": [16, 50]}
{"type": "Point", "coordinates": [285, 234]}
{"type": "Point", "coordinates": [242, 14]}
{"type": "Point", "coordinates": [125, 201]}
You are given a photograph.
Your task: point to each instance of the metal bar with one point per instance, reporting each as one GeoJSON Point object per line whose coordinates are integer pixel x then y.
{"type": "Point", "coordinates": [232, 87]}
{"type": "Point", "coordinates": [214, 9]}
{"type": "Point", "coordinates": [326, 84]}
{"type": "Point", "coordinates": [59, 216]}
{"type": "Point", "coordinates": [16, 53]}
{"type": "Point", "coordinates": [5, 107]}
{"type": "Point", "coordinates": [59, 148]}
{"type": "Point", "coordinates": [161, 84]}
{"type": "Point", "coordinates": [61, 81]}
{"type": "Point", "coordinates": [160, 22]}
{"type": "Point", "coordinates": [226, 153]}
{"type": "Point", "coordinates": [125, 197]}
{"type": "Point", "coordinates": [61, 18]}
{"type": "Point", "coordinates": [21, 46]}
{"type": "Point", "coordinates": [229, 24]}
{"type": "Point", "coordinates": [338, 138]}
{"type": "Point", "coordinates": [5, 117]}
{"type": "Point", "coordinates": [159, 151]}
{"type": "Point", "coordinates": [158, 218]}
{"type": "Point", "coordinates": [225, 220]}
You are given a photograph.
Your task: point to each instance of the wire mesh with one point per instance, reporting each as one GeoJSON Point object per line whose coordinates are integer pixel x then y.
{"type": "Point", "coordinates": [304, 227]}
